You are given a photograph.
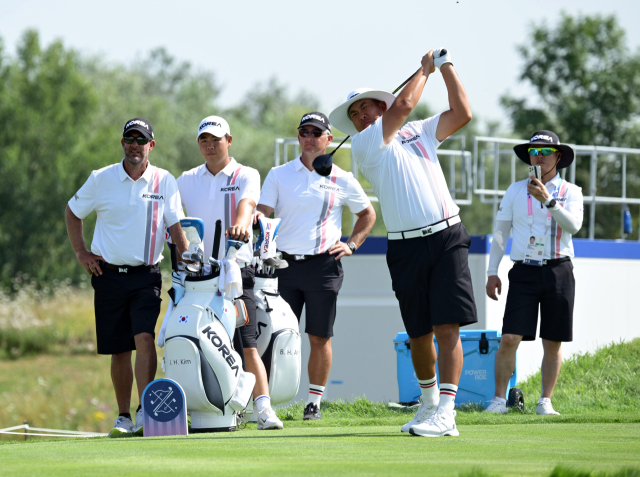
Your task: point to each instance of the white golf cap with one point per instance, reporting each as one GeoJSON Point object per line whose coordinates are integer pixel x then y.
{"type": "Point", "coordinates": [214, 125]}
{"type": "Point", "coordinates": [339, 117]}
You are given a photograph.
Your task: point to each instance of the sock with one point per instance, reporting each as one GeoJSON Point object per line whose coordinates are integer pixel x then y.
{"type": "Point", "coordinates": [429, 388]}
{"type": "Point", "coordinates": [448, 396]}
{"type": "Point", "coordinates": [139, 407]}
{"type": "Point", "coordinates": [315, 394]}
{"type": "Point", "coordinates": [262, 402]}
{"type": "Point", "coordinates": [125, 414]}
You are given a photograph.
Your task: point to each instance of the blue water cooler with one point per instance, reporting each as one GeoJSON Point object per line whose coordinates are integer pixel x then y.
{"type": "Point", "coordinates": [477, 380]}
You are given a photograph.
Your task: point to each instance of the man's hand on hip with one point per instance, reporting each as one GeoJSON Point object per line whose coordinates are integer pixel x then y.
{"type": "Point", "coordinates": [341, 249]}
{"type": "Point", "coordinates": [90, 262]}
{"type": "Point", "coordinates": [493, 283]}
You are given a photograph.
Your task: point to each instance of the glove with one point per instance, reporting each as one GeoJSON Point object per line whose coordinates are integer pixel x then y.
{"type": "Point", "coordinates": [440, 57]}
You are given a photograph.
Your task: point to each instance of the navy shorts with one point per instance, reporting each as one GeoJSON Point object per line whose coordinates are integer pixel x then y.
{"type": "Point", "coordinates": [125, 306]}
{"type": "Point", "coordinates": [313, 283]}
{"type": "Point", "coordinates": [431, 279]}
{"type": "Point", "coordinates": [248, 331]}
{"type": "Point", "coordinates": [551, 289]}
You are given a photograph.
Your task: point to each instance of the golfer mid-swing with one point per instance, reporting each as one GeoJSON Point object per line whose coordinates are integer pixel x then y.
{"type": "Point", "coordinates": [427, 245]}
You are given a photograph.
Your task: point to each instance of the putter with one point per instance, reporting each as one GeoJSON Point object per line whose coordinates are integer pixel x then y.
{"type": "Point", "coordinates": [323, 163]}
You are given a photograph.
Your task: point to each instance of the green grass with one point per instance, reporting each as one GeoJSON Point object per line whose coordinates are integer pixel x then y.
{"type": "Point", "coordinates": [310, 450]}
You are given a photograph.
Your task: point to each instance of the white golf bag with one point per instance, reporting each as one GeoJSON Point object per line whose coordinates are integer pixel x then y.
{"type": "Point", "coordinates": [199, 355]}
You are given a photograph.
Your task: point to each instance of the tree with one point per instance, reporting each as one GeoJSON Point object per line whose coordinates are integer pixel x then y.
{"type": "Point", "coordinates": [588, 92]}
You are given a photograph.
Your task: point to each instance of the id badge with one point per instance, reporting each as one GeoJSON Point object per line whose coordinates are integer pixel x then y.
{"type": "Point", "coordinates": [534, 252]}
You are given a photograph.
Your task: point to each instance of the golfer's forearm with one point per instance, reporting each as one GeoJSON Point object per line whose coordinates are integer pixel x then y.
{"type": "Point", "coordinates": [364, 224]}
{"type": "Point", "coordinates": [458, 101]}
{"type": "Point", "coordinates": [74, 229]}
{"type": "Point", "coordinates": [408, 98]}
{"type": "Point", "coordinates": [244, 212]}
{"type": "Point", "coordinates": [179, 238]}
{"type": "Point", "coordinates": [498, 246]}
{"type": "Point", "coordinates": [566, 220]}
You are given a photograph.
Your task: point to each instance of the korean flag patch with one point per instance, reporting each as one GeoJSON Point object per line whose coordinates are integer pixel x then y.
{"type": "Point", "coordinates": [183, 319]}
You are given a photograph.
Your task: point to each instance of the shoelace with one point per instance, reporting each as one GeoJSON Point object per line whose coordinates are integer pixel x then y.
{"type": "Point", "coordinates": [421, 415]}
{"type": "Point", "coordinates": [493, 404]}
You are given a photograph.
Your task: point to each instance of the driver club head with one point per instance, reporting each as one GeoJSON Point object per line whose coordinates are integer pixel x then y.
{"type": "Point", "coordinates": [323, 164]}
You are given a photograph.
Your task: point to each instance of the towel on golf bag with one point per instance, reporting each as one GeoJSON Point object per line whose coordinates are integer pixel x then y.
{"type": "Point", "coordinates": [230, 283]}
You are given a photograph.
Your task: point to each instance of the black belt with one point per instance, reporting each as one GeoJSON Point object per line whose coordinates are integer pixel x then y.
{"type": "Point", "coordinates": [552, 261]}
{"type": "Point", "coordinates": [297, 258]}
{"type": "Point", "coordinates": [126, 268]}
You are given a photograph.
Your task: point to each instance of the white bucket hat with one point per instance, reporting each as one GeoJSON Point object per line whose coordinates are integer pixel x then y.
{"type": "Point", "coordinates": [339, 117]}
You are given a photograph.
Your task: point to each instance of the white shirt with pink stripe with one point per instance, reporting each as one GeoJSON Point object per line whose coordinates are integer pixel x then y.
{"type": "Point", "coordinates": [210, 198]}
{"type": "Point", "coordinates": [130, 214]}
{"type": "Point", "coordinates": [405, 174]}
{"type": "Point", "coordinates": [514, 208]}
{"type": "Point", "coordinates": [310, 205]}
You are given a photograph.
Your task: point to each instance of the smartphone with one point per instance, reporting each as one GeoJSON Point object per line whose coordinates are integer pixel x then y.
{"type": "Point", "coordinates": [534, 172]}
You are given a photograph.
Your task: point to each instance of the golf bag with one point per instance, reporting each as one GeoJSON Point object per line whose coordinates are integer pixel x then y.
{"type": "Point", "coordinates": [199, 354]}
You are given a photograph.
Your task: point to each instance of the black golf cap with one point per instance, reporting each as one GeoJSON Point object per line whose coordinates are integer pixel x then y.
{"type": "Point", "coordinates": [317, 119]}
{"type": "Point", "coordinates": [544, 138]}
{"type": "Point", "coordinates": [138, 124]}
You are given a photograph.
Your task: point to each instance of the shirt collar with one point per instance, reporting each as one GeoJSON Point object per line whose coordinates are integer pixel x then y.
{"type": "Point", "coordinates": [297, 163]}
{"type": "Point", "coordinates": [124, 176]}
{"type": "Point", "coordinates": [228, 170]}
{"type": "Point", "coordinates": [556, 180]}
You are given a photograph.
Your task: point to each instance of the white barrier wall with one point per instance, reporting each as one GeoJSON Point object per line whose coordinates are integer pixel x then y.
{"type": "Point", "coordinates": [607, 309]}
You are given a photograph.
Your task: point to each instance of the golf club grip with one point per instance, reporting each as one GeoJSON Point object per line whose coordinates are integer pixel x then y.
{"type": "Point", "coordinates": [407, 80]}
{"type": "Point", "coordinates": [174, 256]}
{"type": "Point", "coordinates": [216, 239]}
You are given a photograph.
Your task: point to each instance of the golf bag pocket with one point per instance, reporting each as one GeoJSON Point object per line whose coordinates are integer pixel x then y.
{"type": "Point", "coordinates": [242, 396]}
{"type": "Point", "coordinates": [282, 362]}
{"type": "Point", "coordinates": [242, 316]}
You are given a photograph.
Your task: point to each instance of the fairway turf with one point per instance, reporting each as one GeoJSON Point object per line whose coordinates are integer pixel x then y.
{"type": "Point", "coordinates": [533, 449]}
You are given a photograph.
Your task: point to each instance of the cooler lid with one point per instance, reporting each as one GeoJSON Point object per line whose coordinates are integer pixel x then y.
{"type": "Point", "coordinates": [401, 337]}
{"type": "Point", "coordinates": [476, 335]}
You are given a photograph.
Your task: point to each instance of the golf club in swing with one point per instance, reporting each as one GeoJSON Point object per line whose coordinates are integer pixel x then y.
{"type": "Point", "coordinates": [323, 163]}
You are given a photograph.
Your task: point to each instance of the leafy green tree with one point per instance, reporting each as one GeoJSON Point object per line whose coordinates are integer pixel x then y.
{"type": "Point", "coordinates": [588, 92]}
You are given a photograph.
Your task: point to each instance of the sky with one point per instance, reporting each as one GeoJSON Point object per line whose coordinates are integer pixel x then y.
{"type": "Point", "coordinates": [326, 48]}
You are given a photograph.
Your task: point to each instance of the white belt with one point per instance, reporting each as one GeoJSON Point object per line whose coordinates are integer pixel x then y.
{"type": "Point", "coordinates": [424, 231]}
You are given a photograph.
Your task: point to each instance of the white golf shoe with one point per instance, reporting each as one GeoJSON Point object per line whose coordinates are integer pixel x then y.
{"type": "Point", "coordinates": [424, 412]}
{"type": "Point", "coordinates": [497, 406]}
{"type": "Point", "coordinates": [441, 423]}
{"type": "Point", "coordinates": [267, 419]}
{"type": "Point", "coordinates": [123, 427]}
{"type": "Point", "coordinates": [137, 429]}
{"type": "Point", "coordinates": [544, 408]}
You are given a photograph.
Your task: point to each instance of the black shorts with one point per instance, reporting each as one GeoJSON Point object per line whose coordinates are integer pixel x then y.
{"type": "Point", "coordinates": [431, 279]}
{"type": "Point", "coordinates": [313, 283]}
{"type": "Point", "coordinates": [551, 288]}
{"type": "Point", "coordinates": [125, 306]}
{"type": "Point", "coordinates": [248, 331]}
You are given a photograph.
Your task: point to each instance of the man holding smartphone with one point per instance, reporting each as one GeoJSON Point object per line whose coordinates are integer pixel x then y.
{"type": "Point", "coordinates": [543, 211]}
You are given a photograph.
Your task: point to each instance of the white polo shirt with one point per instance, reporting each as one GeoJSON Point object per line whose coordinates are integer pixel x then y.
{"type": "Point", "coordinates": [310, 205]}
{"type": "Point", "coordinates": [405, 174]}
{"type": "Point", "coordinates": [213, 198]}
{"type": "Point", "coordinates": [514, 208]}
{"type": "Point", "coordinates": [131, 214]}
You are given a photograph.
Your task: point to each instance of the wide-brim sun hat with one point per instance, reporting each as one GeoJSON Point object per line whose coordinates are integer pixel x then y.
{"type": "Point", "coordinates": [339, 117]}
{"type": "Point", "coordinates": [544, 138]}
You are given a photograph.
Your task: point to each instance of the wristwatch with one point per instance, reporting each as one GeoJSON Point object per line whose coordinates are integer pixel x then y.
{"type": "Point", "coordinates": [352, 246]}
{"type": "Point", "coordinates": [551, 203]}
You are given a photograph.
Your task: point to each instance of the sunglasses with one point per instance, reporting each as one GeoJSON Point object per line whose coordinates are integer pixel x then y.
{"type": "Point", "coordinates": [541, 151]}
{"type": "Point", "coordinates": [307, 133]}
{"type": "Point", "coordinates": [140, 140]}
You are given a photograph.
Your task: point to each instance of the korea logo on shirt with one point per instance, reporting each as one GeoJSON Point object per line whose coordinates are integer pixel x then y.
{"type": "Point", "coordinates": [152, 196]}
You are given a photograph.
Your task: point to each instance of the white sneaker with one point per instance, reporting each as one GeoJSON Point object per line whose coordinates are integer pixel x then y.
{"type": "Point", "coordinates": [122, 427]}
{"type": "Point", "coordinates": [441, 423]}
{"type": "Point", "coordinates": [424, 412]}
{"type": "Point", "coordinates": [544, 408]}
{"type": "Point", "coordinates": [267, 419]}
{"type": "Point", "coordinates": [497, 406]}
{"type": "Point", "coordinates": [137, 429]}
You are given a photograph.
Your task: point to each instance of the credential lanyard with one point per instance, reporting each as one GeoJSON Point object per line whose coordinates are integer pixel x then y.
{"type": "Point", "coordinates": [530, 209]}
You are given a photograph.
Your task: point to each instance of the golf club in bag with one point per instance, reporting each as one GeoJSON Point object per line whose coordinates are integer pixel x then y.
{"type": "Point", "coordinates": [323, 163]}
{"type": "Point", "coordinates": [278, 338]}
{"type": "Point", "coordinates": [199, 353]}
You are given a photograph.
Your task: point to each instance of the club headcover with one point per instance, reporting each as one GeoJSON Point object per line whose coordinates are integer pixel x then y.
{"type": "Point", "coordinates": [323, 164]}
{"type": "Point", "coordinates": [276, 262]}
{"type": "Point", "coordinates": [232, 247]}
{"type": "Point", "coordinates": [268, 233]}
